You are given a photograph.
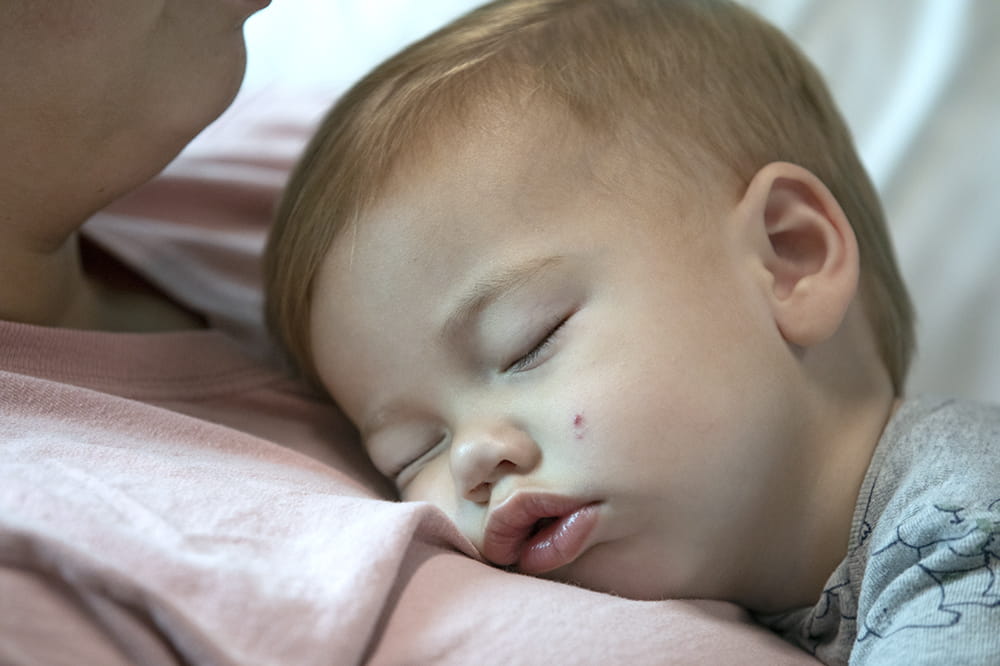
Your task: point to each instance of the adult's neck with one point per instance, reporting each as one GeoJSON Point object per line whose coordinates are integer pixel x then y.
{"type": "Point", "coordinates": [41, 276]}
{"type": "Point", "coordinates": [47, 279]}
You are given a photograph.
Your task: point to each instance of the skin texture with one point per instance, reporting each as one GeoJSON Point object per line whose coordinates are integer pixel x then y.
{"type": "Point", "coordinates": [714, 391]}
{"type": "Point", "coordinates": [98, 97]}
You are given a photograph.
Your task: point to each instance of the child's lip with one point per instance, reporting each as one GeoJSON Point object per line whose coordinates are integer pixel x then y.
{"type": "Point", "coordinates": [511, 537]}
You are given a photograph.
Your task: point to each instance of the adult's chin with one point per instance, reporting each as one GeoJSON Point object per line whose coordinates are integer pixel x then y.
{"type": "Point", "coordinates": [176, 118]}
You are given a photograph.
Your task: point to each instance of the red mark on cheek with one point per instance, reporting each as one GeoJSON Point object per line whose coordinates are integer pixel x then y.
{"type": "Point", "coordinates": [579, 426]}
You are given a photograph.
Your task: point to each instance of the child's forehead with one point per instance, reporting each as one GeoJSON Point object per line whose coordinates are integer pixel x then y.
{"type": "Point", "coordinates": [506, 139]}
{"type": "Point", "coordinates": [541, 150]}
{"type": "Point", "coordinates": [478, 197]}
{"type": "Point", "coordinates": [476, 192]}
{"type": "Point", "coordinates": [484, 183]}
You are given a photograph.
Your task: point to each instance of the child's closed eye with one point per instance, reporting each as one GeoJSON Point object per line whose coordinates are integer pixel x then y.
{"type": "Point", "coordinates": [539, 351]}
{"type": "Point", "coordinates": [403, 473]}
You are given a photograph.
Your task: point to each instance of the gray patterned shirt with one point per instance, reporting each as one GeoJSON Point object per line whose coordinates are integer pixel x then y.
{"type": "Point", "coordinates": [921, 581]}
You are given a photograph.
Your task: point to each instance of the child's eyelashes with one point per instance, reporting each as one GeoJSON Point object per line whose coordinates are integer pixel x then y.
{"type": "Point", "coordinates": [538, 352]}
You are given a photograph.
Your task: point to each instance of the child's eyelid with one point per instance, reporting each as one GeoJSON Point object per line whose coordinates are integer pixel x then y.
{"type": "Point", "coordinates": [531, 358]}
{"type": "Point", "coordinates": [404, 473]}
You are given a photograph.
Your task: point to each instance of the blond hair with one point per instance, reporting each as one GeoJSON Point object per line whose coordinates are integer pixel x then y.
{"type": "Point", "coordinates": [708, 83]}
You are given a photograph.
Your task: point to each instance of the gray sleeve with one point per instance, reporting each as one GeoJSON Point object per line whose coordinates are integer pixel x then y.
{"type": "Point", "coordinates": [932, 595]}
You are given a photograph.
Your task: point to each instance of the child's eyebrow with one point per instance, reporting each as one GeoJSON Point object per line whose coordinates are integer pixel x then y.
{"type": "Point", "coordinates": [489, 288]}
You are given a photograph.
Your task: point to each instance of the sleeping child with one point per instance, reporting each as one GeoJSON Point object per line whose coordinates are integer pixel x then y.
{"type": "Point", "coordinates": [606, 281]}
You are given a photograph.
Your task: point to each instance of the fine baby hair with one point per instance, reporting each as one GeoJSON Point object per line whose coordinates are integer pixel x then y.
{"type": "Point", "coordinates": [700, 90]}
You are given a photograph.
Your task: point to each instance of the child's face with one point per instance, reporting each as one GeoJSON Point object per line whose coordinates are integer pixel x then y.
{"type": "Point", "coordinates": [588, 393]}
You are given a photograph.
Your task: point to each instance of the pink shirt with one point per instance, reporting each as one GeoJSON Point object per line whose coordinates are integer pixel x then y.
{"type": "Point", "coordinates": [172, 498]}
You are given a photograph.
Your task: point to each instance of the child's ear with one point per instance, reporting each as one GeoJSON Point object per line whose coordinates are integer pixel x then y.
{"type": "Point", "coordinates": [807, 248]}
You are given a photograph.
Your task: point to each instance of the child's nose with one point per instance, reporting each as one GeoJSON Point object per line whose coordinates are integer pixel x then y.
{"type": "Point", "coordinates": [483, 454]}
